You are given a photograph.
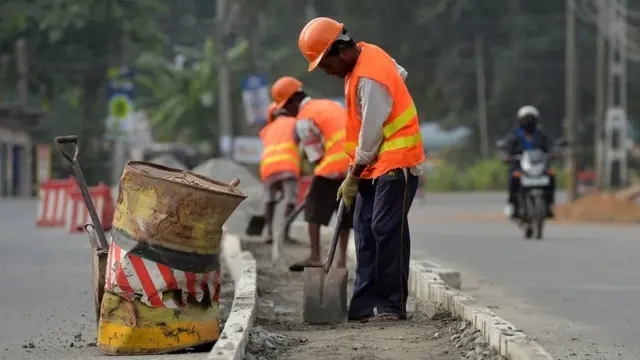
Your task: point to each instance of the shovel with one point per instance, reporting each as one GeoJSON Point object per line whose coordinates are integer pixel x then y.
{"type": "Point", "coordinates": [97, 237]}
{"type": "Point", "coordinates": [325, 289]}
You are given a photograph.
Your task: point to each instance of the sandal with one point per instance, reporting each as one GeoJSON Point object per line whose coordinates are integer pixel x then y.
{"type": "Point", "coordinates": [300, 265]}
{"type": "Point", "coordinates": [384, 317]}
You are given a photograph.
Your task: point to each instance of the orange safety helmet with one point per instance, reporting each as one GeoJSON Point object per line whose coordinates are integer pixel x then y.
{"type": "Point", "coordinates": [283, 89]}
{"type": "Point", "coordinates": [316, 38]}
{"type": "Point", "coordinates": [270, 110]}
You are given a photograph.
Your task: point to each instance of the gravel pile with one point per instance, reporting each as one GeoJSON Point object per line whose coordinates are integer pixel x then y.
{"type": "Point", "coordinates": [265, 345]}
{"type": "Point", "coordinates": [225, 170]}
{"type": "Point", "coordinates": [168, 160]}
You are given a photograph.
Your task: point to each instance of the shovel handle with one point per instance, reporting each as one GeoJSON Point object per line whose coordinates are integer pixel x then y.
{"type": "Point", "coordinates": [64, 140]}
{"type": "Point", "coordinates": [60, 141]}
{"type": "Point", "coordinates": [336, 235]}
{"type": "Point", "coordinates": [235, 182]}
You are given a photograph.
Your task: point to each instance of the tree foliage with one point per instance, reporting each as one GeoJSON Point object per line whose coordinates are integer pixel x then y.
{"type": "Point", "coordinates": [182, 100]}
{"type": "Point", "coordinates": [73, 42]}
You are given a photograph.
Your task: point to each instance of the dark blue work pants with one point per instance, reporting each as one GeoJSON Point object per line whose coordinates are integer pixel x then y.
{"type": "Point", "coordinates": [383, 244]}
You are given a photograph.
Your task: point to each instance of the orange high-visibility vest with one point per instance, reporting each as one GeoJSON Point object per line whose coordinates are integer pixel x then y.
{"type": "Point", "coordinates": [331, 119]}
{"type": "Point", "coordinates": [402, 143]}
{"type": "Point", "coordinates": [279, 149]}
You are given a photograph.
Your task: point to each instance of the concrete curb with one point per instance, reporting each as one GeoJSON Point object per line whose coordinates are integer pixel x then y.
{"type": "Point", "coordinates": [235, 335]}
{"type": "Point", "coordinates": [427, 285]}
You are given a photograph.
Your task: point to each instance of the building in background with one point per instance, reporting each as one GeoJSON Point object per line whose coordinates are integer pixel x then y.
{"type": "Point", "coordinates": [17, 165]}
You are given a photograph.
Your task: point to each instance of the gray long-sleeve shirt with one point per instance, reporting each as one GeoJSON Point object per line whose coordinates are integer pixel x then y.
{"type": "Point", "coordinates": [374, 104]}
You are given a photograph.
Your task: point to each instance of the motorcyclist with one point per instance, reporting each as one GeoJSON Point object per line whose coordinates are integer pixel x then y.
{"type": "Point", "coordinates": [527, 136]}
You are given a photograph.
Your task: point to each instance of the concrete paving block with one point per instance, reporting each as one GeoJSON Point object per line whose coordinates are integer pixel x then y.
{"type": "Point", "coordinates": [243, 268]}
{"type": "Point", "coordinates": [508, 340]}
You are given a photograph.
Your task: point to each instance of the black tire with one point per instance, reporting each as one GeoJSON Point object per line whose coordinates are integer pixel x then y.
{"type": "Point", "coordinates": [539, 216]}
{"type": "Point", "coordinates": [527, 215]}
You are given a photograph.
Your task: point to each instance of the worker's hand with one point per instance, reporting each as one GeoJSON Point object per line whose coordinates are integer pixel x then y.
{"type": "Point", "coordinates": [348, 190]}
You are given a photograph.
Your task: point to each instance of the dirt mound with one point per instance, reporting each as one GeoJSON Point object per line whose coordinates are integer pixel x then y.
{"type": "Point", "coordinates": [168, 160]}
{"type": "Point", "coordinates": [225, 170]}
{"type": "Point", "coordinates": [600, 208]}
{"type": "Point", "coordinates": [630, 193]}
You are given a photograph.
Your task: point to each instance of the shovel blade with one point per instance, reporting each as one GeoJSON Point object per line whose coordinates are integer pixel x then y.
{"type": "Point", "coordinates": [256, 224]}
{"type": "Point", "coordinates": [325, 296]}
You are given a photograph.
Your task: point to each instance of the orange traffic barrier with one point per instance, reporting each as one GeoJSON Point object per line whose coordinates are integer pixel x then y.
{"type": "Point", "coordinates": [77, 215]}
{"type": "Point", "coordinates": [53, 202]}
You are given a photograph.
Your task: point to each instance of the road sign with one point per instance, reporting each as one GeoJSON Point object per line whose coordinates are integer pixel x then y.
{"type": "Point", "coordinates": [120, 103]}
{"type": "Point", "coordinates": [256, 98]}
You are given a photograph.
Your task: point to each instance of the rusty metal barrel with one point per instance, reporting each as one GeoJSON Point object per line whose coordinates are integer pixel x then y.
{"type": "Point", "coordinates": [162, 281]}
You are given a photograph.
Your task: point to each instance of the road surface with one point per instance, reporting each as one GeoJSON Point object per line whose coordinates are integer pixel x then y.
{"type": "Point", "coordinates": [46, 301]}
{"type": "Point", "coordinates": [576, 291]}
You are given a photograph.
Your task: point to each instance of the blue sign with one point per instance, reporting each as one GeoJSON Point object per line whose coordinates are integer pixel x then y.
{"type": "Point", "coordinates": [255, 98]}
{"type": "Point", "coordinates": [120, 104]}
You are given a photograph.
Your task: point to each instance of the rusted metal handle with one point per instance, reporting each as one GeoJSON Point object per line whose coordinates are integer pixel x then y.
{"type": "Point", "coordinates": [235, 182]}
{"type": "Point", "coordinates": [64, 140]}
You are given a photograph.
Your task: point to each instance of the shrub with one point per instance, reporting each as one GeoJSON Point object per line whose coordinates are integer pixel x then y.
{"type": "Point", "coordinates": [483, 175]}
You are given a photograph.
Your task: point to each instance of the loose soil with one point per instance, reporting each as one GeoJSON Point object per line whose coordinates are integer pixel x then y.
{"type": "Point", "coordinates": [605, 208]}
{"type": "Point", "coordinates": [279, 332]}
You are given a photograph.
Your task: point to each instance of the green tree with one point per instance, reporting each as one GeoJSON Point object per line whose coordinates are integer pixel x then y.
{"type": "Point", "coordinates": [182, 102]}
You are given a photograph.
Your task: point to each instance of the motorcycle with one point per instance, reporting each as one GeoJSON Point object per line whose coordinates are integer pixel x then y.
{"type": "Point", "coordinates": [534, 177]}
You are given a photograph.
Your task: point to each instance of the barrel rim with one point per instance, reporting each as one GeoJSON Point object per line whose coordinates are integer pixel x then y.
{"type": "Point", "coordinates": [234, 191]}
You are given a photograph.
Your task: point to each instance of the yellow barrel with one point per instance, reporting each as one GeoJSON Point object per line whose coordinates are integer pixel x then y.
{"type": "Point", "coordinates": [162, 281]}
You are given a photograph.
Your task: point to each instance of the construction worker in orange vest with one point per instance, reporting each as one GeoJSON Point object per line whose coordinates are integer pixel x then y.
{"type": "Point", "coordinates": [385, 147]}
{"type": "Point", "coordinates": [279, 165]}
{"type": "Point", "coordinates": [320, 130]}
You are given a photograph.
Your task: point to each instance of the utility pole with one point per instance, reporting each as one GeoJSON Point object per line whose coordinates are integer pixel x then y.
{"type": "Point", "coordinates": [22, 66]}
{"type": "Point", "coordinates": [616, 119]}
{"type": "Point", "coordinates": [571, 106]}
{"type": "Point", "coordinates": [5, 60]}
{"type": "Point", "coordinates": [602, 22]}
{"type": "Point", "coordinates": [481, 95]}
{"type": "Point", "coordinates": [224, 96]}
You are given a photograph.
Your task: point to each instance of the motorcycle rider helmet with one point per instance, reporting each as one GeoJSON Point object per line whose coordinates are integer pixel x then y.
{"type": "Point", "coordinates": [528, 118]}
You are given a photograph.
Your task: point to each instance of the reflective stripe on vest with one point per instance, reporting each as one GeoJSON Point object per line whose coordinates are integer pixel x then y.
{"type": "Point", "coordinates": [328, 160]}
{"type": "Point", "coordinates": [279, 147]}
{"type": "Point", "coordinates": [280, 152]}
{"type": "Point", "coordinates": [393, 127]}
{"type": "Point", "coordinates": [340, 135]}
{"type": "Point", "coordinates": [281, 157]}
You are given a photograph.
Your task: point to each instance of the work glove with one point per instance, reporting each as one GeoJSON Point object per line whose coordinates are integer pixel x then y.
{"type": "Point", "coordinates": [348, 190]}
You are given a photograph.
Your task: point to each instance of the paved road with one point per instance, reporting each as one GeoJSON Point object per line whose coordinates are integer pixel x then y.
{"type": "Point", "coordinates": [577, 290]}
{"type": "Point", "coordinates": [46, 298]}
